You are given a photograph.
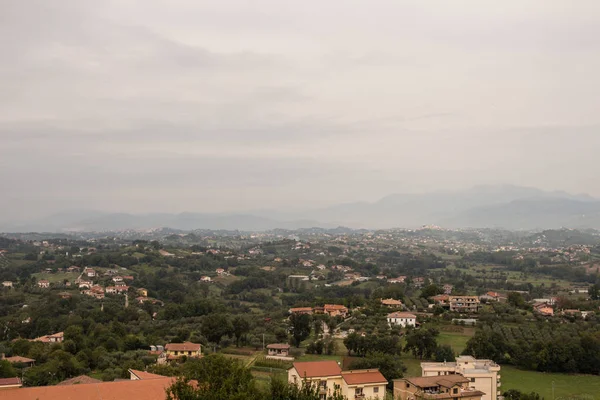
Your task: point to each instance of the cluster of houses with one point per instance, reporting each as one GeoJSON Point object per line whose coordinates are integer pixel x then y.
{"type": "Point", "coordinates": [467, 378]}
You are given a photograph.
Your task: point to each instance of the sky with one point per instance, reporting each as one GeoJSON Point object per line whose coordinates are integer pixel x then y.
{"type": "Point", "coordinates": [217, 106]}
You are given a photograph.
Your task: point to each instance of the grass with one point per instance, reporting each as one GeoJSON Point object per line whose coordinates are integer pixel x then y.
{"type": "Point", "coordinates": [320, 357]}
{"type": "Point", "coordinates": [540, 382]}
{"type": "Point", "coordinates": [57, 277]}
{"type": "Point", "coordinates": [458, 341]}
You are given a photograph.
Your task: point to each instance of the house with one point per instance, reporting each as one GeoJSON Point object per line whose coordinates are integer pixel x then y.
{"type": "Point", "coordinates": [447, 288]}
{"type": "Point", "coordinates": [491, 296]}
{"type": "Point", "coordinates": [484, 375]}
{"type": "Point", "coordinates": [44, 284]}
{"type": "Point", "coordinates": [469, 304]}
{"type": "Point", "coordinates": [441, 299]}
{"type": "Point", "coordinates": [280, 351]}
{"type": "Point", "coordinates": [73, 268]}
{"type": "Point", "coordinates": [94, 291]}
{"type": "Point", "coordinates": [399, 279]}
{"type": "Point", "coordinates": [7, 284]}
{"type": "Point", "coordinates": [128, 278]}
{"type": "Point", "coordinates": [328, 377]}
{"type": "Point", "coordinates": [402, 319]}
{"type": "Point", "coordinates": [206, 279]}
{"type": "Point", "coordinates": [301, 310]}
{"type": "Point", "coordinates": [334, 310]}
{"type": "Point", "coordinates": [85, 284]}
{"type": "Point", "coordinates": [143, 292]}
{"type": "Point", "coordinates": [142, 385]}
{"type": "Point", "coordinates": [220, 271]}
{"type": "Point", "coordinates": [117, 279]}
{"type": "Point", "coordinates": [116, 289]}
{"type": "Point", "coordinates": [9, 385]}
{"type": "Point", "coordinates": [391, 303]}
{"type": "Point", "coordinates": [53, 338]}
{"type": "Point", "coordinates": [418, 282]}
{"type": "Point", "coordinates": [544, 310]}
{"type": "Point", "coordinates": [24, 361]}
{"type": "Point", "coordinates": [451, 387]}
{"type": "Point", "coordinates": [178, 350]}
{"type": "Point", "coordinates": [89, 272]}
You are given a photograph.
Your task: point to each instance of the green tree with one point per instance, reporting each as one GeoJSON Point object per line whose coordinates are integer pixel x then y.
{"type": "Point", "coordinates": [241, 327]}
{"type": "Point", "coordinates": [422, 343]}
{"type": "Point", "coordinates": [486, 344]}
{"type": "Point", "coordinates": [444, 353]}
{"type": "Point", "coordinates": [390, 366]}
{"type": "Point", "coordinates": [300, 327]}
{"type": "Point", "coordinates": [7, 370]}
{"type": "Point", "coordinates": [215, 326]}
{"type": "Point", "coordinates": [516, 300]}
{"type": "Point", "coordinates": [431, 291]}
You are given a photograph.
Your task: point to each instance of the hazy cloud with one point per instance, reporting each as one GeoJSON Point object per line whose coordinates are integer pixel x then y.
{"type": "Point", "coordinates": [130, 105]}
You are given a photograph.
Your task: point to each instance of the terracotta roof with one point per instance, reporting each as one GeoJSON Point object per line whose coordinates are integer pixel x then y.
{"type": "Point", "coordinates": [313, 369]}
{"type": "Point", "coordinates": [151, 389]}
{"type": "Point", "coordinates": [19, 359]}
{"type": "Point", "coordinates": [334, 307]}
{"type": "Point", "coordinates": [363, 377]}
{"type": "Point", "coordinates": [143, 375]}
{"type": "Point", "coordinates": [187, 346]}
{"type": "Point", "coordinates": [401, 315]}
{"type": "Point", "coordinates": [300, 309]}
{"type": "Point", "coordinates": [79, 380]}
{"type": "Point", "coordinates": [278, 346]}
{"type": "Point", "coordinates": [391, 302]}
{"type": "Point", "coordinates": [444, 380]}
{"type": "Point", "coordinates": [9, 382]}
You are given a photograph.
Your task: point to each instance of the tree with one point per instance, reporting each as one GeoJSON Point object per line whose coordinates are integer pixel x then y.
{"type": "Point", "coordinates": [300, 327]}
{"type": "Point", "coordinates": [516, 300]}
{"type": "Point", "coordinates": [241, 327]}
{"type": "Point", "coordinates": [282, 390]}
{"type": "Point", "coordinates": [594, 292]}
{"type": "Point", "coordinates": [444, 353]}
{"type": "Point", "coordinates": [218, 377]}
{"type": "Point", "coordinates": [422, 343]}
{"type": "Point", "coordinates": [431, 291]}
{"type": "Point", "coordinates": [215, 326]}
{"type": "Point", "coordinates": [391, 367]}
{"type": "Point", "coordinates": [486, 344]}
{"type": "Point", "coordinates": [7, 370]}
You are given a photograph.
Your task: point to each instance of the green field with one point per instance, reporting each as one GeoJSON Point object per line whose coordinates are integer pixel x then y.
{"type": "Point", "coordinates": [564, 385]}
{"type": "Point", "coordinates": [458, 341]}
{"type": "Point", "coordinates": [57, 277]}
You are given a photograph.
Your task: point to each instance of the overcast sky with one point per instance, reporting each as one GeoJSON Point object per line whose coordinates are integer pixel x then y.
{"type": "Point", "coordinates": [192, 105]}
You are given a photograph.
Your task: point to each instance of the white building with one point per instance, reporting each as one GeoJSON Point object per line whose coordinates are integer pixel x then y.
{"type": "Point", "coordinates": [402, 319]}
{"type": "Point", "coordinates": [483, 374]}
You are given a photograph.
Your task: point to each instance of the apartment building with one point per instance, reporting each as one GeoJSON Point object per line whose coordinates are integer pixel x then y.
{"type": "Point", "coordinates": [451, 387]}
{"type": "Point", "coordinates": [329, 377]}
{"type": "Point", "coordinates": [469, 304]}
{"type": "Point", "coordinates": [484, 375]}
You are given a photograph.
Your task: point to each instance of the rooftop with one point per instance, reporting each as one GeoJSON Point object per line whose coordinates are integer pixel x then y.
{"type": "Point", "coordinates": [313, 369]}
{"type": "Point", "coordinates": [364, 376]}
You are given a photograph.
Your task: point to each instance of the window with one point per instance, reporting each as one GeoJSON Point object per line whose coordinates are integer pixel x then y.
{"type": "Point", "coordinates": [358, 391]}
{"type": "Point", "coordinates": [472, 379]}
{"type": "Point", "coordinates": [455, 391]}
{"type": "Point", "coordinates": [375, 390]}
{"type": "Point", "coordinates": [407, 385]}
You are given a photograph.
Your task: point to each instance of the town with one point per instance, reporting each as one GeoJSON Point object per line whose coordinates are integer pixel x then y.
{"type": "Point", "coordinates": [403, 314]}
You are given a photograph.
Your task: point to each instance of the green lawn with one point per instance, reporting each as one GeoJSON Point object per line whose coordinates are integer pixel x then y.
{"type": "Point", "coordinates": [458, 341]}
{"type": "Point", "coordinates": [564, 385]}
{"type": "Point", "coordinates": [57, 277]}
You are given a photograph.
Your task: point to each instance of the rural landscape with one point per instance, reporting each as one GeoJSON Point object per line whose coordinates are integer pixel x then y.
{"type": "Point", "coordinates": [96, 307]}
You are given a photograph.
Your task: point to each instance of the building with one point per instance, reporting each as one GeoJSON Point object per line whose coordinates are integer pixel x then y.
{"type": "Point", "coordinates": [391, 303]}
{"type": "Point", "coordinates": [9, 384]}
{"type": "Point", "coordinates": [73, 268]}
{"type": "Point", "coordinates": [44, 284]}
{"type": "Point", "coordinates": [178, 350]}
{"type": "Point", "coordinates": [7, 284]}
{"type": "Point", "coordinates": [468, 304]}
{"type": "Point", "coordinates": [335, 310]}
{"type": "Point", "coordinates": [142, 385]}
{"type": "Point", "coordinates": [278, 350]}
{"type": "Point", "coordinates": [399, 279]}
{"type": "Point", "coordinates": [58, 337]}
{"type": "Point", "coordinates": [484, 375]}
{"type": "Point", "coordinates": [402, 319]}
{"type": "Point", "coordinates": [451, 387]}
{"type": "Point", "coordinates": [447, 288]}
{"type": "Point", "coordinates": [89, 272]}
{"type": "Point", "coordinates": [301, 310]}
{"type": "Point", "coordinates": [205, 279]}
{"type": "Point", "coordinates": [329, 377]}
{"type": "Point", "coordinates": [492, 296]}
{"type": "Point", "coordinates": [24, 361]}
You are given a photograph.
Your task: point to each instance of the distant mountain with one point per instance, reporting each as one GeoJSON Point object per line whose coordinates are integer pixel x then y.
{"type": "Point", "coordinates": [509, 207]}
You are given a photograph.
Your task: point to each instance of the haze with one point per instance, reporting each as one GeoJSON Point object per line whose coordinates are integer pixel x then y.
{"type": "Point", "coordinates": [213, 106]}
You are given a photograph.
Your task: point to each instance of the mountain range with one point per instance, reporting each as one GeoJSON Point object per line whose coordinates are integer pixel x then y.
{"type": "Point", "coordinates": [508, 207]}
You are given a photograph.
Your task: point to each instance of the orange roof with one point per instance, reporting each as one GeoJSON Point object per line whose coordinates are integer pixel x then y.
{"type": "Point", "coordinates": [334, 307]}
{"type": "Point", "coordinates": [401, 315]}
{"type": "Point", "coordinates": [9, 382]}
{"type": "Point", "coordinates": [19, 359]}
{"type": "Point", "coordinates": [363, 377]}
{"type": "Point", "coordinates": [151, 389]}
{"type": "Point", "coordinates": [391, 302]}
{"type": "Point", "coordinates": [313, 369]}
{"type": "Point", "coordinates": [142, 375]}
{"type": "Point", "coordinates": [300, 309]}
{"type": "Point", "coordinates": [187, 346]}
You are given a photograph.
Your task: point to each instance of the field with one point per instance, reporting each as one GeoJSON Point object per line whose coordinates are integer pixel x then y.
{"type": "Point", "coordinates": [564, 385]}
{"type": "Point", "coordinates": [57, 277]}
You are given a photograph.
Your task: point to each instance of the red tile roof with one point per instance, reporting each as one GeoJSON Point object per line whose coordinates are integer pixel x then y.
{"type": "Point", "coordinates": [401, 315]}
{"type": "Point", "coordinates": [363, 377]}
{"type": "Point", "coordinates": [313, 369]}
{"type": "Point", "coordinates": [79, 380]}
{"type": "Point", "coordinates": [9, 382]}
{"type": "Point", "coordinates": [187, 346]}
{"type": "Point", "coordinates": [143, 375]}
{"type": "Point", "coordinates": [278, 346]}
{"type": "Point", "coordinates": [151, 389]}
